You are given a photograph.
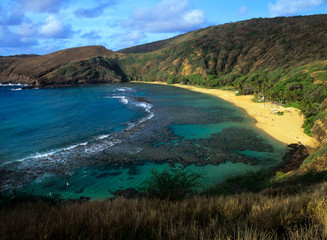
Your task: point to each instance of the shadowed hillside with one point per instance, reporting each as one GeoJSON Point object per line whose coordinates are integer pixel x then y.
{"type": "Point", "coordinates": [35, 69]}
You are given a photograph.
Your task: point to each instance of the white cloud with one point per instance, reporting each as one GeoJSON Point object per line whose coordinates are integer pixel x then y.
{"type": "Point", "coordinates": [26, 30]}
{"type": "Point", "coordinates": [131, 38]}
{"type": "Point", "coordinates": [11, 39]}
{"type": "Point", "coordinates": [166, 17]}
{"type": "Point", "coordinates": [290, 7]}
{"type": "Point", "coordinates": [54, 28]}
{"type": "Point", "coordinates": [242, 11]}
{"type": "Point", "coordinates": [194, 18]}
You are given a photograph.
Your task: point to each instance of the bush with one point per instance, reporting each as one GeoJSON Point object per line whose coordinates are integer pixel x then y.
{"type": "Point", "coordinates": [172, 184]}
{"type": "Point", "coordinates": [308, 124]}
{"type": "Point", "coordinates": [248, 182]}
{"type": "Point", "coordinates": [173, 80]}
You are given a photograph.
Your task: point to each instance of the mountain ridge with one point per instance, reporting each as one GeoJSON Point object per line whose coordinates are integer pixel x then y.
{"type": "Point", "coordinates": [33, 69]}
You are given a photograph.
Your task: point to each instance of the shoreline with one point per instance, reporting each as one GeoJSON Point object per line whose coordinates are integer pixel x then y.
{"type": "Point", "coordinates": [286, 128]}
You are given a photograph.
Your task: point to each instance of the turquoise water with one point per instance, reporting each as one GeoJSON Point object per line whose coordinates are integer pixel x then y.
{"type": "Point", "coordinates": [93, 140]}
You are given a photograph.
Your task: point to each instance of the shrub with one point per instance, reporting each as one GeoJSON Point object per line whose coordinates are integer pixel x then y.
{"type": "Point", "coordinates": [280, 175]}
{"type": "Point", "coordinates": [248, 182]}
{"type": "Point", "coordinates": [172, 184]}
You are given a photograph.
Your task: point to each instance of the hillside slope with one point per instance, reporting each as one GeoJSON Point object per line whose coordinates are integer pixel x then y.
{"type": "Point", "coordinates": [282, 59]}
{"type": "Point", "coordinates": [239, 47]}
{"type": "Point", "coordinates": [39, 70]}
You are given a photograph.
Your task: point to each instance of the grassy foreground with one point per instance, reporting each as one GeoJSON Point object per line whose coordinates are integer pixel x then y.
{"type": "Point", "coordinates": [241, 216]}
{"type": "Point", "coordinates": [287, 208]}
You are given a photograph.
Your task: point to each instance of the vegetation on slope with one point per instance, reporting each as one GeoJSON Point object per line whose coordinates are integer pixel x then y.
{"type": "Point", "coordinates": [282, 59]}
{"type": "Point", "coordinates": [93, 70]}
{"type": "Point", "coordinates": [239, 48]}
{"type": "Point", "coordinates": [276, 212]}
{"type": "Point", "coordinates": [149, 47]}
{"type": "Point", "coordinates": [34, 69]}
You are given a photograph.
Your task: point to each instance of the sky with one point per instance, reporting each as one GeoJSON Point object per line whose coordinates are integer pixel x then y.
{"type": "Point", "coordinates": [45, 26]}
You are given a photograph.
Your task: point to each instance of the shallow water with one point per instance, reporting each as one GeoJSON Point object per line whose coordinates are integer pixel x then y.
{"type": "Point", "coordinates": [91, 141]}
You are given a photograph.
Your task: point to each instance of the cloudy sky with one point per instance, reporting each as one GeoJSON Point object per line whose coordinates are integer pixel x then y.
{"type": "Point", "coordinates": [44, 26]}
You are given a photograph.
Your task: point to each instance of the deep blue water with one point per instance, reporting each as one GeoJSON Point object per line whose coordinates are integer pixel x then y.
{"type": "Point", "coordinates": [94, 140]}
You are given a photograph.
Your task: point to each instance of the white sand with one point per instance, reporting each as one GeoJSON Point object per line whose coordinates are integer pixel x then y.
{"type": "Point", "coordinates": [286, 128]}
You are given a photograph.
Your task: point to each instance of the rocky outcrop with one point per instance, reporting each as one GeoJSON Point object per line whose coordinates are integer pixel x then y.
{"type": "Point", "coordinates": [293, 158]}
{"type": "Point", "coordinates": [319, 130]}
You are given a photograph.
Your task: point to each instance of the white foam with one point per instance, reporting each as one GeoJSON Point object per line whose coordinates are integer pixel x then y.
{"type": "Point", "coordinates": [98, 148]}
{"type": "Point", "coordinates": [44, 155]}
{"type": "Point", "coordinates": [130, 126]}
{"type": "Point", "coordinates": [13, 84]}
{"type": "Point", "coordinates": [124, 89]}
{"type": "Point", "coordinates": [121, 89]}
{"type": "Point", "coordinates": [146, 106]}
{"type": "Point", "coordinates": [122, 99]}
{"type": "Point", "coordinates": [151, 115]}
{"type": "Point", "coordinates": [102, 137]}
{"type": "Point", "coordinates": [16, 89]}
{"type": "Point", "coordinates": [47, 154]}
{"type": "Point", "coordinates": [74, 146]}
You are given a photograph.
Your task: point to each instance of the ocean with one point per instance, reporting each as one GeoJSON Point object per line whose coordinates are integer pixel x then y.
{"type": "Point", "coordinates": [90, 141]}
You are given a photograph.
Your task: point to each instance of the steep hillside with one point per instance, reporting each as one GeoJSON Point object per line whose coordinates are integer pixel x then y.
{"type": "Point", "coordinates": [240, 47]}
{"type": "Point", "coordinates": [41, 69]}
{"type": "Point", "coordinates": [282, 59]}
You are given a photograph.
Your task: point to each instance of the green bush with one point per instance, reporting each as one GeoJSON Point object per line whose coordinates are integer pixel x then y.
{"type": "Point", "coordinates": [308, 124]}
{"type": "Point", "coordinates": [171, 184]}
{"type": "Point", "coordinates": [280, 175]}
{"type": "Point", "coordinates": [173, 79]}
{"type": "Point", "coordinates": [248, 182]}
{"type": "Point", "coordinates": [322, 76]}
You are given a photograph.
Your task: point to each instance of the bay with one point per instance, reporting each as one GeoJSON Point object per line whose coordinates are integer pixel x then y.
{"type": "Point", "coordinates": [93, 140]}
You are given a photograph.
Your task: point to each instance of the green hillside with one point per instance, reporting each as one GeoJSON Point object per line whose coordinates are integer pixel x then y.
{"type": "Point", "coordinates": [282, 59]}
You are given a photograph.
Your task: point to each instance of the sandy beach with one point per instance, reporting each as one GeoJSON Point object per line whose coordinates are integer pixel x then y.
{"type": "Point", "coordinates": [286, 128]}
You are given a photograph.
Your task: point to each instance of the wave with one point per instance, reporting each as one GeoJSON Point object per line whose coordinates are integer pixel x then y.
{"type": "Point", "coordinates": [16, 89]}
{"type": "Point", "coordinates": [146, 106]}
{"type": "Point", "coordinates": [122, 99]}
{"type": "Point", "coordinates": [13, 84]}
{"type": "Point", "coordinates": [125, 89]}
{"type": "Point", "coordinates": [102, 136]}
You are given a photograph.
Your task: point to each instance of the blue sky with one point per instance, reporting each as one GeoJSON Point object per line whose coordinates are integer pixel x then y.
{"type": "Point", "coordinates": [44, 26]}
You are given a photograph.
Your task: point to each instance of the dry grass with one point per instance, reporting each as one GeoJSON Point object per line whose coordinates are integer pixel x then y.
{"type": "Point", "coordinates": [242, 216]}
